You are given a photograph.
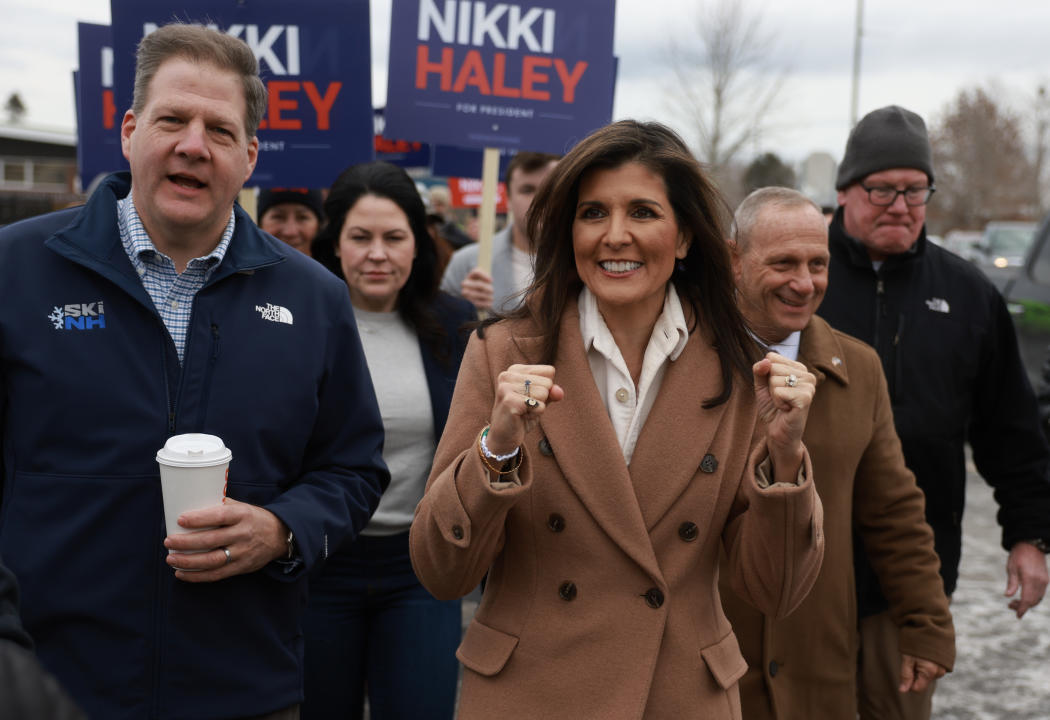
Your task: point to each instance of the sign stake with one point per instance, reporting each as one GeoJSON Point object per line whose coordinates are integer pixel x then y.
{"type": "Point", "coordinates": [487, 212]}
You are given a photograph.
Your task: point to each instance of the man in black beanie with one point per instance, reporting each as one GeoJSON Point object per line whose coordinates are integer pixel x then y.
{"type": "Point", "coordinates": [950, 355]}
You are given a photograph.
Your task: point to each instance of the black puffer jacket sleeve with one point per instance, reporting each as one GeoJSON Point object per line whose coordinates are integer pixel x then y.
{"type": "Point", "coordinates": [10, 622]}
{"type": "Point", "coordinates": [26, 689]}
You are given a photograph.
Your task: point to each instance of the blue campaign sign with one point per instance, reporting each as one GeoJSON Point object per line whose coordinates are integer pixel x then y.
{"type": "Point", "coordinates": [315, 58]}
{"type": "Point", "coordinates": [519, 75]}
{"type": "Point", "coordinates": [98, 121]}
{"type": "Point", "coordinates": [403, 153]}
{"type": "Point", "coordinates": [464, 162]}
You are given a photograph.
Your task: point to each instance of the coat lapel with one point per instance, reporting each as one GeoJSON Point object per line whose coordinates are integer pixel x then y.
{"type": "Point", "coordinates": [679, 432]}
{"type": "Point", "coordinates": [821, 352]}
{"type": "Point", "coordinates": [585, 447]}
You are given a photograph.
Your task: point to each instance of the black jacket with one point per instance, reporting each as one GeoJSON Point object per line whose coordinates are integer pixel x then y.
{"type": "Point", "coordinates": [10, 623]}
{"type": "Point", "coordinates": [26, 689]}
{"type": "Point", "coordinates": [950, 355]}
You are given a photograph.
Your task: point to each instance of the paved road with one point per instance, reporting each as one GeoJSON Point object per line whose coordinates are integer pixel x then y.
{"type": "Point", "coordinates": [1001, 669]}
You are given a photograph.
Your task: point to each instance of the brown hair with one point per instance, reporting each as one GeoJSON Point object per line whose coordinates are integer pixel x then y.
{"type": "Point", "coordinates": [200, 44]}
{"type": "Point", "coordinates": [527, 161]}
{"type": "Point", "coordinates": [703, 279]}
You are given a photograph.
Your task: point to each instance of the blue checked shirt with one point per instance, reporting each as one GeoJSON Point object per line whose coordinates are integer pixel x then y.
{"type": "Point", "coordinates": [171, 292]}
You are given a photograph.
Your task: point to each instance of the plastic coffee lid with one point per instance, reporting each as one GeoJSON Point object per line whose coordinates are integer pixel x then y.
{"type": "Point", "coordinates": [194, 450]}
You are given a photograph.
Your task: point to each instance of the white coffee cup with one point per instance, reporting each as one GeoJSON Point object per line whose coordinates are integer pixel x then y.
{"type": "Point", "coordinates": [193, 471]}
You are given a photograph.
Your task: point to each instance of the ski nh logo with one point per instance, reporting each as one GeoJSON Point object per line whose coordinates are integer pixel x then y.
{"type": "Point", "coordinates": [78, 316]}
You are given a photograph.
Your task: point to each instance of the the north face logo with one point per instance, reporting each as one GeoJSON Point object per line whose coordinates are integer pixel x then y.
{"type": "Point", "coordinates": [78, 316]}
{"type": "Point", "coordinates": [938, 305]}
{"type": "Point", "coordinates": [275, 313]}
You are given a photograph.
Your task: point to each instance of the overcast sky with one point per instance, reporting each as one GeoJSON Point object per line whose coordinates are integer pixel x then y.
{"type": "Point", "coordinates": [916, 53]}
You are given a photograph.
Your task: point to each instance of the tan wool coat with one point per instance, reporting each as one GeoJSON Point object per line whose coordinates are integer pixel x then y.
{"type": "Point", "coordinates": [804, 666]}
{"type": "Point", "coordinates": [601, 599]}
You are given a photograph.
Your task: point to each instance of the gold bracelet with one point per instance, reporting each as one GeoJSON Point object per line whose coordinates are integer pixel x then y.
{"type": "Point", "coordinates": [485, 460]}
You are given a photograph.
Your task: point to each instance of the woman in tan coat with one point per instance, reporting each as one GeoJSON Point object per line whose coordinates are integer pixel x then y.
{"type": "Point", "coordinates": [604, 442]}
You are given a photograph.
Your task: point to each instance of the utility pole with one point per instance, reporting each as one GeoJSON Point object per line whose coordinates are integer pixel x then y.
{"type": "Point", "coordinates": [856, 64]}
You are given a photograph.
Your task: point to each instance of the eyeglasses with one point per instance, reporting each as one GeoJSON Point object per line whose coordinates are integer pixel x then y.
{"type": "Point", "coordinates": [884, 196]}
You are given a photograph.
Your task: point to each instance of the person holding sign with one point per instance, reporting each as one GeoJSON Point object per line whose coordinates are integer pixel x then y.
{"type": "Point", "coordinates": [370, 626]}
{"type": "Point", "coordinates": [512, 248]}
{"type": "Point", "coordinates": [605, 441]}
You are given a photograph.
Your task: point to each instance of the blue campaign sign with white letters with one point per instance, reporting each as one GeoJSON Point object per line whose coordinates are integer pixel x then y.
{"type": "Point", "coordinates": [526, 75]}
{"type": "Point", "coordinates": [98, 122]}
{"type": "Point", "coordinates": [315, 59]}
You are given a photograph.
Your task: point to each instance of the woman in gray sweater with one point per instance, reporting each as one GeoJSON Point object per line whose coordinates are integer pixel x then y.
{"type": "Point", "coordinates": [370, 626]}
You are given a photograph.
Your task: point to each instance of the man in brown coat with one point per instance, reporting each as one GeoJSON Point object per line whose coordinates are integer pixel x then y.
{"type": "Point", "coordinates": [804, 665]}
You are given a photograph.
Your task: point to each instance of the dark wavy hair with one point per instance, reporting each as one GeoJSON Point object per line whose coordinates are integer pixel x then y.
{"type": "Point", "coordinates": [703, 279]}
{"type": "Point", "coordinates": [416, 298]}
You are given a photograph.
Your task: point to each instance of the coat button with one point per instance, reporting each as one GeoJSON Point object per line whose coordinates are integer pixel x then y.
{"type": "Point", "coordinates": [556, 522]}
{"type": "Point", "coordinates": [773, 668]}
{"type": "Point", "coordinates": [567, 591]}
{"type": "Point", "coordinates": [654, 598]}
{"type": "Point", "coordinates": [457, 532]}
{"type": "Point", "coordinates": [545, 447]}
{"type": "Point", "coordinates": [709, 464]}
{"type": "Point", "coordinates": [688, 531]}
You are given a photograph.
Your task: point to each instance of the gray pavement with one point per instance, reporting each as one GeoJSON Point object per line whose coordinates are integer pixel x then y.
{"type": "Point", "coordinates": [1002, 667]}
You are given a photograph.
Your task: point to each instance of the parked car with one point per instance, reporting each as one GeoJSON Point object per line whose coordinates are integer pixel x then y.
{"type": "Point", "coordinates": [1027, 294]}
{"type": "Point", "coordinates": [961, 242]}
{"type": "Point", "coordinates": [1002, 249]}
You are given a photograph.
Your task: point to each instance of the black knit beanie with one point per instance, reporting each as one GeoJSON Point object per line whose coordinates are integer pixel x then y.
{"type": "Point", "coordinates": [887, 138]}
{"type": "Point", "coordinates": [301, 196]}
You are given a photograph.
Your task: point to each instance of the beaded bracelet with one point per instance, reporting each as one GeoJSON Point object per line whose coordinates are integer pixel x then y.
{"type": "Point", "coordinates": [491, 455]}
{"type": "Point", "coordinates": [484, 454]}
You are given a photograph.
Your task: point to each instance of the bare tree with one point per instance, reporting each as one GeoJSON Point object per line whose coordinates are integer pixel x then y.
{"type": "Point", "coordinates": [15, 108]}
{"type": "Point", "coordinates": [725, 84]}
{"type": "Point", "coordinates": [768, 170]}
{"type": "Point", "coordinates": [982, 165]}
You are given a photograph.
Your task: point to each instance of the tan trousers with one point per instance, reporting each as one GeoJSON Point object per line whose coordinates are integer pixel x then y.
{"type": "Point", "coordinates": [878, 675]}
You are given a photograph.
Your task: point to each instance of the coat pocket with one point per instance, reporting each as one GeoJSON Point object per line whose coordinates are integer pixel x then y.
{"type": "Point", "coordinates": [724, 661]}
{"type": "Point", "coordinates": [485, 650]}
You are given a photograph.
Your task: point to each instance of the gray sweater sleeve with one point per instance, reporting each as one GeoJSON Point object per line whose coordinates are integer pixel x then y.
{"type": "Point", "coordinates": [462, 262]}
